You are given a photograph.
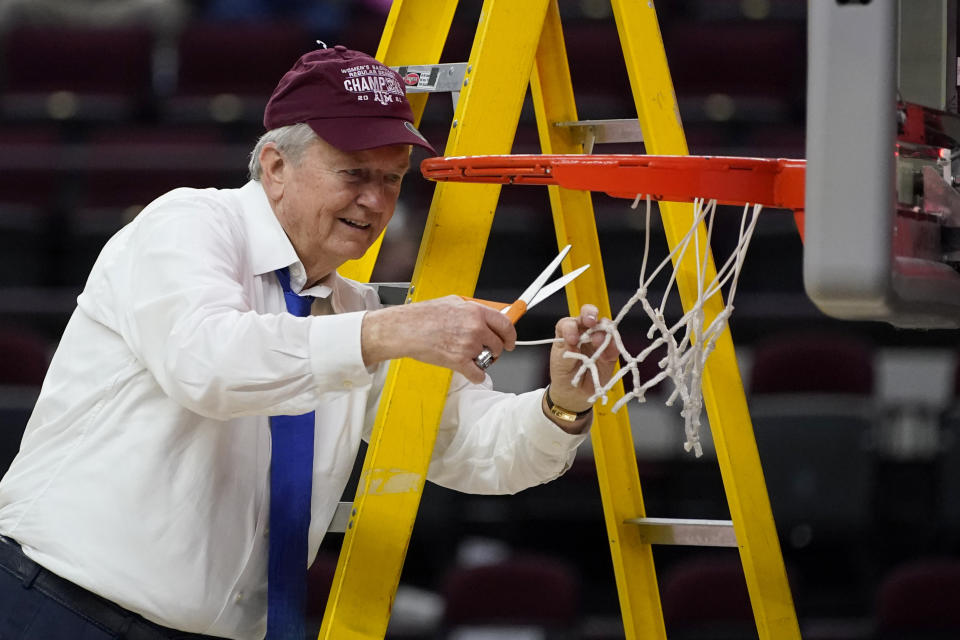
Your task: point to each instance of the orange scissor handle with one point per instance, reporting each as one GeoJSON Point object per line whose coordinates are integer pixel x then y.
{"type": "Point", "coordinates": [513, 310]}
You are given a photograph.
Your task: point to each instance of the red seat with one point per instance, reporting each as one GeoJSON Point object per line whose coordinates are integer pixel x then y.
{"type": "Point", "coordinates": [919, 599]}
{"type": "Point", "coordinates": [131, 166]}
{"type": "Point", "coordinates": [522, 590]}
{"type": "Point", "coordinates": [65, 72]}
{"type": "Point", "coordinates": [227, 71]}
{"type": "Point", "coordinates": [808, 362]}
{"type": "Point", "coordinates": [707, 594]}
{"type": "Point", "coordinates": [31, 167]}
{"type": "Point", "coordinates": [24, 357]}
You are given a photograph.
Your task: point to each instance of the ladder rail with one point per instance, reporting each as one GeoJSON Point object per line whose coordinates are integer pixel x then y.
{"type": "Point", "coordinates": [430, 21]}
{"type": "Point", "coordinates": [723, 391]}
{"type": "Point", "coordinates": [458, 224]}
{"type": "Point", "coordinates": [612, 439]}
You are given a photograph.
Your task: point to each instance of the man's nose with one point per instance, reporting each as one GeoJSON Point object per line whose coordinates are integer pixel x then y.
{"type": "Point", "coordinates": [374, 195]}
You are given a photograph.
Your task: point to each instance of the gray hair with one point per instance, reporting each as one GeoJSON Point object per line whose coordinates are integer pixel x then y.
{"type": "Point", "coordinates": [292, 140]}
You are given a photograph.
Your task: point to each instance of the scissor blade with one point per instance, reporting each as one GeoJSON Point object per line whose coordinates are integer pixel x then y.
{"type": "Point", "coordinates": [535, 286]}
{"type": "Point", "coordinates": [555, 286]}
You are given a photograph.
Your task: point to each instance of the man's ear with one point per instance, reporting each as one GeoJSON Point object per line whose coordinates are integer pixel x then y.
{"type": "Point", "coordinates": [273, 174]}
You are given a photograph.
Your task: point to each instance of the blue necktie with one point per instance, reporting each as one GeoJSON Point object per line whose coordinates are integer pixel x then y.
{"type": "Point", "coordinates": [291, 479]}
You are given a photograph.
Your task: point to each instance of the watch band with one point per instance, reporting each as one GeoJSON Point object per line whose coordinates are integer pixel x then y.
{"type": "Point", "coordinates": [560, 412]}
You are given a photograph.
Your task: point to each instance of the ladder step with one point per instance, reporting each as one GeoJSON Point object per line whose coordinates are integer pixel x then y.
{"type": "Point", "coordinates": [341, 517]}
{"type": "Point", "coordinates": [680, 531]}
{"type": "Point", "coordinates": [604, 131]}
{"type": "Point", "coordinates": [677, 531]}
{"type": "Point", "coordinates": [434, 78]}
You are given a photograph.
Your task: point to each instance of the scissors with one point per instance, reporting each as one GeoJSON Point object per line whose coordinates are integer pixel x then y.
{"type": "Point", "coordinates": [537, 292]}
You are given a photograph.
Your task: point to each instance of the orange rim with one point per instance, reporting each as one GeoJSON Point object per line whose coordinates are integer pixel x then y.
{"type": "Point", "coordinates": [771, 182]}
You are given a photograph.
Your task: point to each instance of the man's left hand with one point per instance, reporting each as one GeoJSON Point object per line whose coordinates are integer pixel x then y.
{"type": "Point", "coordinates": [575, 399]}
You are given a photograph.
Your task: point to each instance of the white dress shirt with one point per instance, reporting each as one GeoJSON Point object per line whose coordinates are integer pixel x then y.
{"type": "Point", "coordinates": [143, 473]}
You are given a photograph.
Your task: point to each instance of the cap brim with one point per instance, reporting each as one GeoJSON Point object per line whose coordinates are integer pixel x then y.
{"type": "Point", "coordinates": [357, 134]}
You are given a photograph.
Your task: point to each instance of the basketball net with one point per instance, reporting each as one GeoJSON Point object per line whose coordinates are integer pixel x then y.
{"type": "Point", "coordinates": [689, 340]}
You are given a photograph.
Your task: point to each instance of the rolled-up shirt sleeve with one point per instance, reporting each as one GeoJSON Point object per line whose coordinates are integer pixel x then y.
{"type": "Point", "coordinates": [491, 442]}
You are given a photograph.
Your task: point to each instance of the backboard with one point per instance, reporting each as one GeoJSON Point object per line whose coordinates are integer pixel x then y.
{"type": "Point", "coordinates": [883, 156]}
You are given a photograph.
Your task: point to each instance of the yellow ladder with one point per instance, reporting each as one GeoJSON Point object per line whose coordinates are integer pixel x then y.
{"type": "Point", "coordinates": [520, 44]}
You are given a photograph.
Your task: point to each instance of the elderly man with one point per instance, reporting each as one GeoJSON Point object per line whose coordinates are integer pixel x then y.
{"type": "Point", "coordinates": [141, 504]}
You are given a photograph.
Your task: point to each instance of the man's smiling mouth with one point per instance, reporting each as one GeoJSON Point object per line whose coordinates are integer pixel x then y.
{"type": "Point", "coordinates": [356, 224]}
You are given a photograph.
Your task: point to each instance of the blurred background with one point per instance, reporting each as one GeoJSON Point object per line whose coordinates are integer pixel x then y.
{"type": "Point", "coordinates": [107, 104]}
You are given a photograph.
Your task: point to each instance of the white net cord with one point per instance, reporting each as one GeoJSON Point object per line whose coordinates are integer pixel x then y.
{"type": "Point", "coordinates": [688, 341]}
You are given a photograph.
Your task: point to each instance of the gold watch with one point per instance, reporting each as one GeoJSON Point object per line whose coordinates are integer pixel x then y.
{"type": "Point", "coordinates": [560, 412]}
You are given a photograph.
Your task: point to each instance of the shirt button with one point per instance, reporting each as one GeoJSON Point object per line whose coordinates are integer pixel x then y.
{"type": "Point", "coordinates": [347, 384]}
{"type": "Point", "coordinates": [238, 597]}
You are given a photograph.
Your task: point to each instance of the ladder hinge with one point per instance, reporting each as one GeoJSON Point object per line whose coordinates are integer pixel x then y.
{"type": "Point", "coordinates": [428, 78]}
{"type": "Point", "coordinates": [449, 77]}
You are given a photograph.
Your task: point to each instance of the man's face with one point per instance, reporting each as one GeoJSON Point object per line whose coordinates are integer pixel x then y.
{"type": "Point", "coordinates": [335, 203]}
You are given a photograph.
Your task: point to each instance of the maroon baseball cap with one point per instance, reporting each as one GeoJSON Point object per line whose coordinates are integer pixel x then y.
{"type": "Point", "coordinates": [348, 98]}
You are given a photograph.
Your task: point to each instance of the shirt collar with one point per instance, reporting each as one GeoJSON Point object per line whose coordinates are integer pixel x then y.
{"type": "Point", "coordinates": [270, 248]}
{"type": "Point", "coordinates": [322, 289]}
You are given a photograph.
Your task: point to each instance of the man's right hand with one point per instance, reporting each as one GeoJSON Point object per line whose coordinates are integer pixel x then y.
{"type": "Point", "coordinates": [449, 332]}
